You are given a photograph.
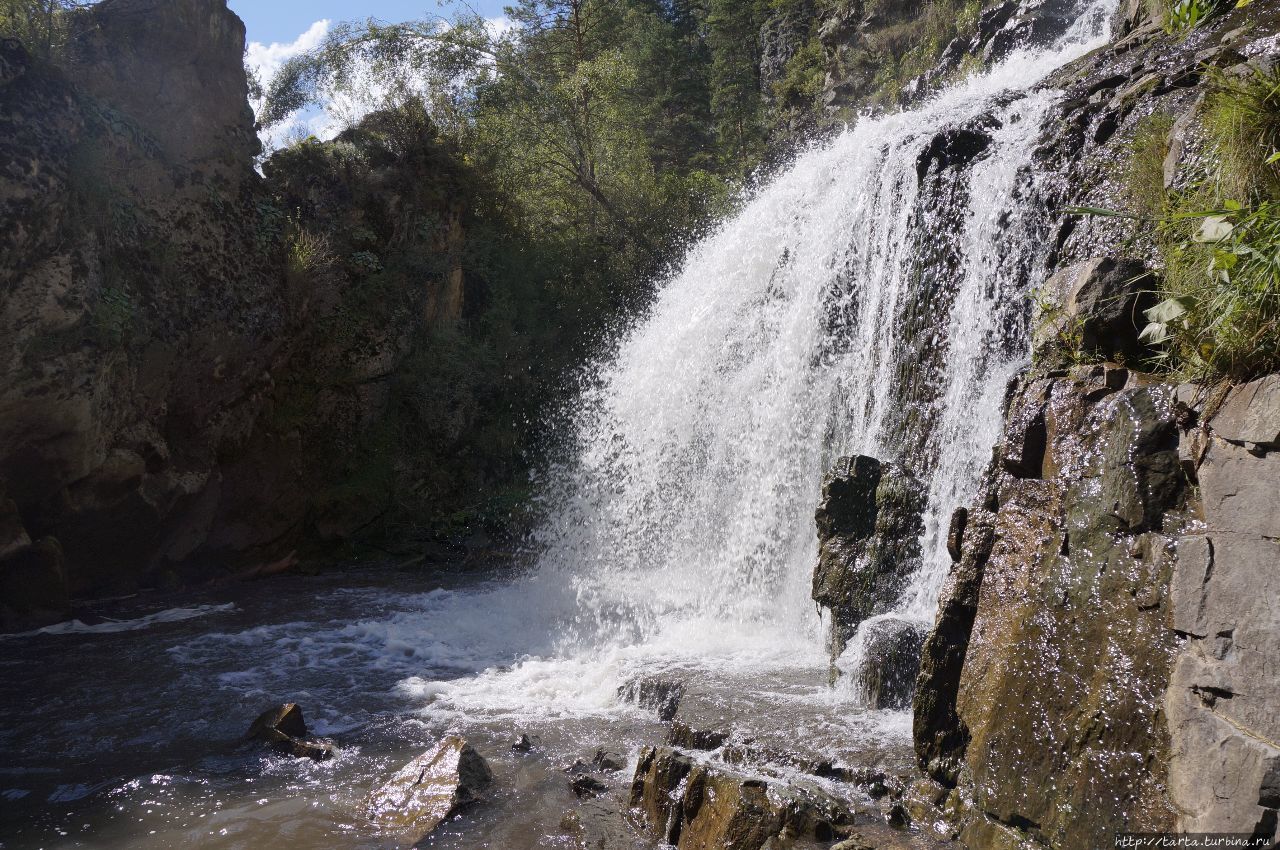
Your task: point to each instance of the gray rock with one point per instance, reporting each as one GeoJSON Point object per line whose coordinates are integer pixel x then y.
{"type": "Point", "coordinates": [1098, 305]}
{"type": "Point", "coordinates": [888, 662]}
{"type": "Point", "coordinates": [1240, 492]}
{"type": "Point", "coordinates": [869, 524]}
{"type": "Point", "coordinates": [1251, 414]}
{"type": "Point", "coordinates": [430, 789]}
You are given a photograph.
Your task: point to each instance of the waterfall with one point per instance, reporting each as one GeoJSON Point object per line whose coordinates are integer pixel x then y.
{"type": "Point", "coordinates": [873, 299]}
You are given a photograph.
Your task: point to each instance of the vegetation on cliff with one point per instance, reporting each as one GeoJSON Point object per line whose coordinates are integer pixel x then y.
{"type": "Point", "coordinates": [1217, 230]}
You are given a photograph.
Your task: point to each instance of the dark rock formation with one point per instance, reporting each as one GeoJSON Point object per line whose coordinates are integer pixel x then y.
{"type": "Point", "coordinates": [1050, 741]}
{"type": "Point", "coordinates": [201, 368]}
{"type": "Point", "coordinates": [888, 662]}
{"type": "Point", "coordinates": [869, 524]}
{"type": "Point", "coordinates": [428, 790]}
{"type": "Point", "coordinates": [1095, 307]}
{"type": "Point", "coordinates": [283, 730]}
{"type": "Point", "coordinates": [690, 804]}
{"type": "Point", "coordinates": [658, 695]}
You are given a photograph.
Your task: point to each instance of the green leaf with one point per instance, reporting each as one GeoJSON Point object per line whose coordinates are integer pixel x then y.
{"type": "Point", "coordinates": [1099, 212]}
{"type": "Point", "coordinates": [1225, 260]}
{"type": "Point", "coordinates": [1214, 229]}
{"type": "Point", "coordinates": [1234, 206]}
{"type": "Point", "coordinates": [1274, 158]}
{"type": "Point", "coordinates": [1156, 333]}
{"type": "Point", "coordinates": [1166, 311]}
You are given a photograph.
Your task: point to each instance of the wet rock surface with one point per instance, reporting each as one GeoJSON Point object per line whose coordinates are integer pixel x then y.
{"type": "Point", "coordinates": [1073, 549]}
{"type": "Point", "coordinates": [283, 730]}
{"type": "Point", "coordinates": [869, 523]}
{"type": "Point", "coordinates": [889, 661]}
{"type": "Point", "coordinates": [428, 790]}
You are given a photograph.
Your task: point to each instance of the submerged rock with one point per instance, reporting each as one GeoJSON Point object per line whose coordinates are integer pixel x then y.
{"type": "Point", "coordinates": [430, 789]}
{"type": "Point", "coordinates": [869, 524]}
{"type": "Point", "coordinates": [283, 730]}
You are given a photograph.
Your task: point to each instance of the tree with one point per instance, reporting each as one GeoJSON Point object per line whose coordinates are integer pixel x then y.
{"type": "Point", "coordinates": [41, 25]}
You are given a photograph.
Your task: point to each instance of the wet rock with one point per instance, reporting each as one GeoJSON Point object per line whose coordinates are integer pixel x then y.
{"type": "Point", "coordinates": [608, 761]}
{"type": "Point", "coordinates": [888, 662]}
{"type": "Point", "coordinates": [869, 522]}
{"type": "Point", "coordinates": [690, 804]}
{"type": "Point", "coordinates": [284, 731]}
{"type": "Point", "coordinates": [955, 532]}
{"type": "Point", "coordinates": [430, 789]}
{"type": "Point", "coordinates": [522, 744]}
{"type": "Point", "coordinates": [585, 785]}
{"type": "Point", "coordinates": [656, 694]}
{"type": "Point", "coordinates": [1095, 306]}
{"type": "Point", "coordinates": [1009, 708]}
{"type": "Point", "coordinates": [683, 735]}
{"type": "Point", "coordinates": [956, 148]}
{"type": "Point", "coordinates": [577, 767]}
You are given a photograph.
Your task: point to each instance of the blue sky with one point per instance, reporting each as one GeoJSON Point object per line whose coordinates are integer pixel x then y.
{"type": "Point", "coordinates": [282, 21]}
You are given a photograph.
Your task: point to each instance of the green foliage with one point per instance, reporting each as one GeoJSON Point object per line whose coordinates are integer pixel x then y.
{"type": "Point", "coordinates": [1242, 117]}
{"type": "Point", "coordinates": [309, 255]}
{"type": "Point", "coordinates": [41, 25]}
{"type": "Point", "coordinates": [1219, 309]}
{"type": "Point", "coordinates": [1220, 313]}
{"type": "Point", "coordinates": [1143, 175]}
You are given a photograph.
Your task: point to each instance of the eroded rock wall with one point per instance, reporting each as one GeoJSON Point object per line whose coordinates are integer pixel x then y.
{"type": "Point", "coordinates": [1103, 657]}
{"type": "Point", "coordinates": [199, 364]}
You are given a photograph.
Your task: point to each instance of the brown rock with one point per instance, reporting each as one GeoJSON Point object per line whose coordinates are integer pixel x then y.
{"type": "Point", "coordinates": [428, 790]}
{"type": "Point", "coordinates": [284, 731]}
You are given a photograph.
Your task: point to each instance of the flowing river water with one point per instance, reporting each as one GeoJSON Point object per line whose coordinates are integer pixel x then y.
{"type": "Point", "coordinates": [866, 301]}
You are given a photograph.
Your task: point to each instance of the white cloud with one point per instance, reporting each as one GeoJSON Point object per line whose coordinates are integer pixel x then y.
{"type": "Point", "coordinates": [337, 110]}
{"type": "Point", "coordinates": [266, 59]}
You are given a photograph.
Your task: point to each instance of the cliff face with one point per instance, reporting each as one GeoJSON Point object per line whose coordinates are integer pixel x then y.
{"type": "Point", "coordinates": [1103, 655]}
{"type": "Point", "coordinates": [166, 311]}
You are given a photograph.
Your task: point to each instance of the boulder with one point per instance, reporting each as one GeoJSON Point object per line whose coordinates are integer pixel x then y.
{"type": "Point", "coordinates": [430, 789]}
{"type": "Point", "coordinates": [869, 524]}
{"type": "Point", "coordinates": [694, 805]}
{"type": "Point", "coordinates": [886, 660]}
{"type": "Point", "coordinates": [1251, 414]}
{"type": "Point", "coordinates": [283, 730]}
{"type": "Point", "coordinates": [608, 761]}
{"type": "Point", "coordinates": [586, 785]}
{"type": "Point", "coordinates": [1095, 307]}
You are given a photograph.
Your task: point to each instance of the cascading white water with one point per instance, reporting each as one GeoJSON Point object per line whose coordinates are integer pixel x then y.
{"type": "Point", "coordinates": [688, 508]}
{"type": "Point", "coordinates": [862, 282]}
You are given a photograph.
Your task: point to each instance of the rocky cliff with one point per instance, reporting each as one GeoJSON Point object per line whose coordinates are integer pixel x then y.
{"type": "Point", "coordinates": [1103, 655]}
{"type": "Point", "coordinates": [205, 369]}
